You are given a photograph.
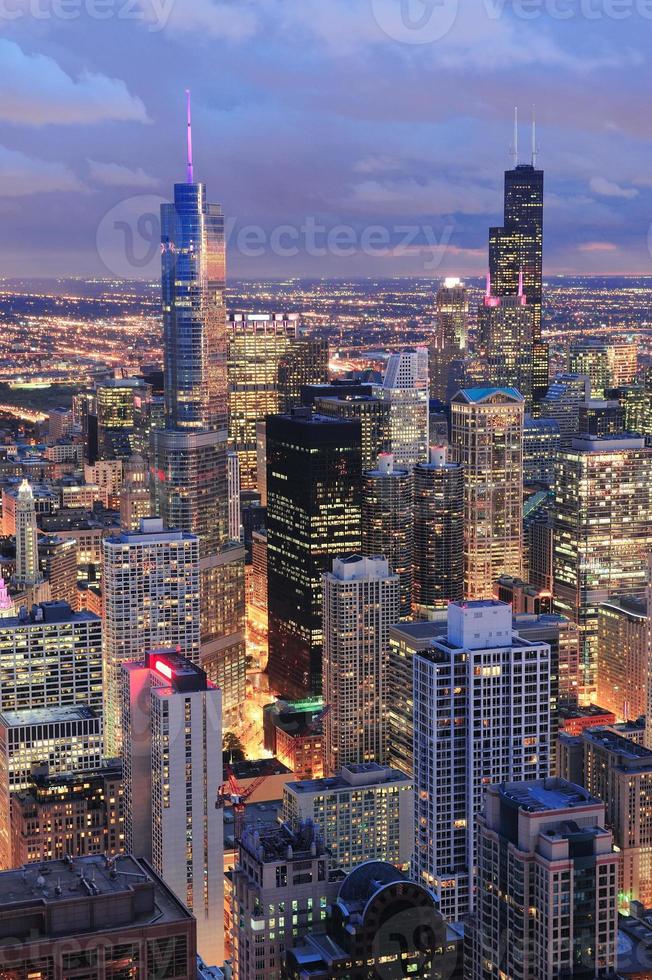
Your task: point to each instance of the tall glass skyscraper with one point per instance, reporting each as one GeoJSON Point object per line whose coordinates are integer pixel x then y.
{"type": "Point", "coordinates": [189, 456]}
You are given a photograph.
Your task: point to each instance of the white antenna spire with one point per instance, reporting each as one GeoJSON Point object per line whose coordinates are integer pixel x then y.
{"type": "Point", "coordinates": [535, 149]}
{"type": "Point", "coordinates": [515, 143]}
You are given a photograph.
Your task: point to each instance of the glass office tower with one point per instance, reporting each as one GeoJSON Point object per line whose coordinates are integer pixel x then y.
{"type": "Point", "coordinates": [189, 456]}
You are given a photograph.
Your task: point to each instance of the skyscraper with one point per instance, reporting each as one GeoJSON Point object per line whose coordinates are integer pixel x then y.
{"type": "Point", "coordinates": [361, 602]}
{"type": "Point", "coordinates": [481, 715]}
{"type": "Point", "coordinates": [257, 342]}
{"type": "Point", "coordinates": [487, 439]}
{"type": "Point", "coordinates": [27, 564]}
{"type": "Point", "coordinates": [135, 497]}
{"type": "Point", "coordinates": [602, 532]}
{"type": "Point", "coordinates": [306, 363]}
{"type": "Point", "coordinates": [450, 338]}
{"type": "Point", "coordinates": [314, 477]}
{"type": "Point", "coordinates": [438, 533]}
{"type": "Point", "coordinates": [546, 885]}
{"type": "Point", "coordinates": [516, 251]}
{"type": "Point", "coordinates": [189, 465]}
{"type": "Point", "coordinates": [388, 522]}
{"type": "Point", "coordinates": [506, 335]}
{"type": "Point", "coordinates": [172, 762]}
{"type": "Point", "coordinates": [151, 600]}
{"type": "Point", "coordinates": [405, 387]}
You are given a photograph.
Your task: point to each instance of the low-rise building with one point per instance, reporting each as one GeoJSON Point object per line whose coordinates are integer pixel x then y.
{"type": "Point", "coordinates": [76, 813]}
{"type": "Point", "coordinates": [94, 917]}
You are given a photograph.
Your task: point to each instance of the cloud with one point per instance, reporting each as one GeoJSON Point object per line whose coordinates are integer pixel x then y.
{"type": "Point", "coordinates": [117, 175]}
{"type": "Point", "coordinates": [597, 247]}
{"type": "Point", "coordinates": [21, 175]}
{"type": "Point", "coordinates": [224, 19]}
{"type": "Point", "coordinates": [608, 188]}
{"type": "Point", "coordinates": [37, 91]}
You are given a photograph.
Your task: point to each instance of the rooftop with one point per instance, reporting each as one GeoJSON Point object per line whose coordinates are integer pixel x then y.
{"type": "Point", "coordinates": [48, 612]}
{"type": "Point", "coordinates": [84, 879]}
{"type": "Point", "coordinates": [43, 716]}
{"type": "Point", "coordinates": [483, 393]}
{"type": "Point", "coordinates": [540, 795]}
{"type": "Point", "coordinates": [627, 750]}
{"type": "Point", "coordinates": [350, 778]}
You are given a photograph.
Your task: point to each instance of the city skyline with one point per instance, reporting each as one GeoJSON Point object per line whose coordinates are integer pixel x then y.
{"type": "Point", "coordinates": [94, 133]}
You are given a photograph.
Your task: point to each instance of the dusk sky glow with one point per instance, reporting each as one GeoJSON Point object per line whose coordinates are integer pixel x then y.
{"type": "Point", "coordinates": [342, 137]}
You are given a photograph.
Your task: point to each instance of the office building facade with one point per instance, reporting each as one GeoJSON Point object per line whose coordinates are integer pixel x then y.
{"type": "Point", "coordinates": [438, 533]}
{"type": "Point", "coordinates": [361, 601]}
{"type": "Point", "coordinates": [314, 479]}
{"type": "Point", "coordinates": [388, 522]}
{"type": "Point", "coordinates": [487, 439]}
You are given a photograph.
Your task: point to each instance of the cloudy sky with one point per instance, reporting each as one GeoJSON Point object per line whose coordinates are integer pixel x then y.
{"type": "Point", "coordinates": [343, 137]}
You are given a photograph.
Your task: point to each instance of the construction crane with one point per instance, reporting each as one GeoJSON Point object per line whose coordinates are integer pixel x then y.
{"type": "Point", "coordinates": [231, 793]}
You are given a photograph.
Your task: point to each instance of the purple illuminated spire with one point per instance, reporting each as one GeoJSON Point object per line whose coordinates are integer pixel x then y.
{"type": "Point", "coordinates": [189, 172]}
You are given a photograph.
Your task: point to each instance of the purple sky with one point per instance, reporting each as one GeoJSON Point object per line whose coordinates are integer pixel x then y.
{"type": "Point", "coordinates": [343, 137]}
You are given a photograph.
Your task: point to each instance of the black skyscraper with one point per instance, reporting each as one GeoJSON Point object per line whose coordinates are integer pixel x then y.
{"type": "Point", "coordinates": [517, 247]}
{"type": "Point", "coordinates": [314, 476]}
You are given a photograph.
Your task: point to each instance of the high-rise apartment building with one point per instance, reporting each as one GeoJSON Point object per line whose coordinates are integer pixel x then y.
{"type": "Point", "coordinates": [50, 657]}
{"type": "Point", "coordinates": [405, 387]}
{"type": "Point", "coordinates": [257, 342]}
{"type": "Point", "coordinates": [602, 532]}
{"type": "Point", "coordinates": [283, 884]}
{"type": "Point", "coordinates": [28, 572]}
{"type": "Point", "coordinates": [172, 768]}
{"type": "Point", "coordinates": [619, 772]}
{"type": "Point", "coordinates": [361, 602]}
{"type": "Point", "coordinates": [388, 522]}
{"type": "Point", "coordinates": [450, 339]}
{"type": "Point", "coordinates": [546, 885]}
{"type": "Point", "coordinates": [487, 439]}
{"type": "Point", "coordinates": [151, 594]}
{"type": "Point", "coordinates": [189, 455]}
{"type": "Point", "coordinates": [481, 715]}
{"type": "Point", "coordinates": [406, 639]}
{"type": "Point", "coordinates": [314, 479]}
{"type": "Point", "coordinates": [364, 813]}
{"type": "Point", "coordinates": [623, 658]}
{"type": "Point", "coordinates": [438, 533]}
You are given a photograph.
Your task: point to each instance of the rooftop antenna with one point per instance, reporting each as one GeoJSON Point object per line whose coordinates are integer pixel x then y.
{"type": "Point", "coordinates": [520, 280]}
{"type": "Point", "coordinates": [534, 139]}
{"type": "Point", "coordinates": [189, 172]}
{"type": "Point", "coordinates": [515, 143]}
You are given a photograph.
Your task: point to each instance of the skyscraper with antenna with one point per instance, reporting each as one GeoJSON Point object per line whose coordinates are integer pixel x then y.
{"type": "Point", "coordinates": [189, 471]}
{"type": "Point", "coordinates": [516, 247]}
